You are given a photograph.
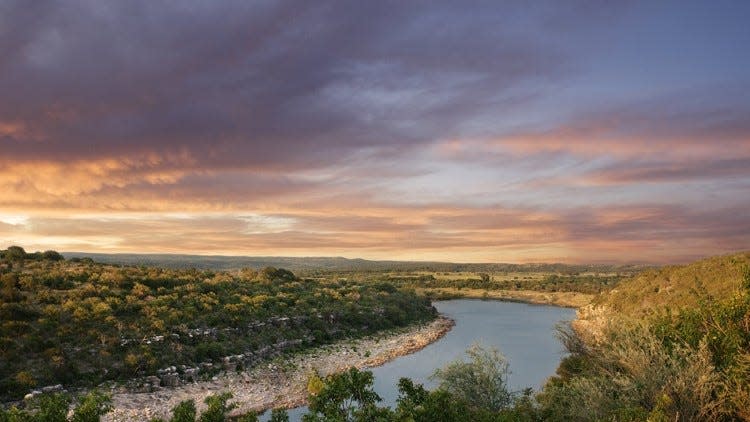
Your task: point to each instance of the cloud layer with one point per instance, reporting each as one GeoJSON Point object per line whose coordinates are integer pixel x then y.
{"type": "Point", "coordinates": [478, 131]}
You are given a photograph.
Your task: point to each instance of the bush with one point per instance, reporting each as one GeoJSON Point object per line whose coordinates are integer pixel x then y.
{"type": "Point", "coordinates": [92, 407]}
{"type": "Point", "coordinates": [481, 382]}
{"type": "Point", "coordinates": [184, 412]}
{"type": "Point", "coordinates": [631, 375]}
{"type": "Point", "coordinates": [344, 396]}
{"type": "Point", "coordinates": [218, 408]}
{"type": "Point", "coordinates": [279, 415]}
{"type": "Point", "coordinates": [54, 408]}
{"type": "Point", "coordinates": [52, 256]}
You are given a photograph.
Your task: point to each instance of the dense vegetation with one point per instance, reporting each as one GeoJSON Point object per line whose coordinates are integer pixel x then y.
{"type": "Point", "coordinates": [80, 323]}
{"type": "Point", "coordinates": [581, 283]}
{"type": "Point", "coordinates": [677, 286]}
{"type": "Point", "coordinates": [671, 344]}
{"type": "Point", "coordinates": [473, 390]}
{"type": "Point", "coordinates": [54, 407]}
{"type": "Point", "coordinates": [670, 366]}
{"type": "Point", "coordinates": [324, 266]}
{"type": "Point", "coordinates": [680, 352]}
{"type": "Point", "coordinates": [680, 349]}
{"type": "Point", "coordinates": [686, 361]}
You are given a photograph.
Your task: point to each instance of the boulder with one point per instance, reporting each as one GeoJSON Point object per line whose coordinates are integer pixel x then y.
{"type": "Point", "coordinates": [170, 379]}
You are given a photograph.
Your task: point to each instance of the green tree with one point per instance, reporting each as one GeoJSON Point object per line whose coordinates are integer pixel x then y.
{"type": "Point", "coordinates": [218, 408]}
{"type": "Point", "coordinates": [92, 407]}
{"type": "Point", "coordinates": [52, 408]}
{"type": "Point", "coordinates": [52, 256]}
{"type": "Point", "coordinates": [9, 287]}
{"type": "Point", "coordinates": [15, 253]}
{"type": "Point", "coordinates": [347, 396]}
{"type": "Point", "coordinates": [481, 382]}
{"type": "Point", "coordinates": [14, 414]}
{"type": "Point", "coordinates": [279, 415]}
{"type": "Point", "coordinates": [184, 412]}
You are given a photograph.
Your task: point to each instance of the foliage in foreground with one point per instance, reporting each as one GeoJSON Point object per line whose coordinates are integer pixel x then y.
{"type": "Point", "coordinates": [692, 365]}
{"type": "Point", "coordinates": [349, 396]}
{"type": "Point", "coordinates": [54, 408]}
{"type": "Point", "coordinates": [475, 390]}
{"type": "Point", "coordinates": [91, 407]}
{"type": "Point", "coordinates": [481, 382]}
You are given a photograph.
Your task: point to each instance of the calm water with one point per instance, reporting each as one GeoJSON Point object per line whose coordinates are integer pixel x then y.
{"type": "Point", "coordinates": [523, 333]}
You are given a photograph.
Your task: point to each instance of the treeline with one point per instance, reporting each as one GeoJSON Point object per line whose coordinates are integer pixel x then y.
{"type": "Point", "coordinates": [587, 283]}
{"type": "Point", "coordinates": [312, 266]}
{"type": "Point", "coordinates": [79, 323]}
{"type": "Point", "coordinates": [18, 254]}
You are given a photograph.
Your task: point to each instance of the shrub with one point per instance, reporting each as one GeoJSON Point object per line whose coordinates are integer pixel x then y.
{"type": "Point", "coordinates": [481, 382]}
{"type": "Point", "coordinates": [184, 412]}
{"type": "Point", "coordinates": [92, 407]}
{"type": "Point", "coordinates": [344, 396]}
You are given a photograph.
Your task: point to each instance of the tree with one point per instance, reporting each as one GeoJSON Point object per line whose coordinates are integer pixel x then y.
{"type": "Point", "coordinates": [15, 253]}
{"type": "Point", "coordinates": [419, 405]}
{"type": "Point", "coordinates": [53, 408]}
{"type": "Point", "coordinates": [92, 407]}
{"type": "Point", "coordinates": [279, 415]}
{"type": "Point", "coordinates": [184, 412]}
{"type": "Point", "coordinates": [9, 287]}
{"type": "Point", "coordinates": [218, 408]}
{"type": "Point", "coordinates": [273, 274]}
{"type": "Point", "coordinates": [248, 274]}
{"type": "Point", "coordinates": [52, 256]}
{"type": "Point", "coordinates": [347, 396]}
{"type": "Point", "coordinates": [481, 382]}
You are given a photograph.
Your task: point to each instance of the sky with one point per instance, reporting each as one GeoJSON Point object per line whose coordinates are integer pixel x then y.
{"type": "Point", "coordinates": [464, 131]}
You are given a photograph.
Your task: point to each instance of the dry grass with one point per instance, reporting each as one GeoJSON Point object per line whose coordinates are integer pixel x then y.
{"type": "Point", "coordinates": [675, 286]}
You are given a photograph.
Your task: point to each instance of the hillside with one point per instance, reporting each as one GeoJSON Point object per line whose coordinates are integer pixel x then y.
{"type": "Point", "coordinates": [79, 323]}
{"type": "Point", "coordinates": [676, 286]}
{"type": "Point", "coordinates": [667, 345]}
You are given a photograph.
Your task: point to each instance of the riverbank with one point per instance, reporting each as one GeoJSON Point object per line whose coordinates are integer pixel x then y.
{"type": "Point", "coordinates": [564, 299]}
{"type": "Point", "coordinates": [282, 382]}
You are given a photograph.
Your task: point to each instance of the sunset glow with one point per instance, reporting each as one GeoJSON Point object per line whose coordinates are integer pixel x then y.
{"type": "Point", "coordinates": [481, 132]}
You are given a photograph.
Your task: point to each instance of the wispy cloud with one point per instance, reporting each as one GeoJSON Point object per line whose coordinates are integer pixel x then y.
{"type": "Point", "coordinates": [472, 131]}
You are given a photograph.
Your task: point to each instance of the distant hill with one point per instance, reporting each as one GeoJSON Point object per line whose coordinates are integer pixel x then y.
{"type": "Point", "coordinates": [218, 262]}
{"type": "Point", "coordinates": [676, 286]}
{"type": "Point", "coordinates": [316, 264]}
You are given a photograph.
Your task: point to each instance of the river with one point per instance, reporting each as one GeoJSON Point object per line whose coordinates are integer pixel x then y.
{"type": "Point", "coordinates": [523, 333]}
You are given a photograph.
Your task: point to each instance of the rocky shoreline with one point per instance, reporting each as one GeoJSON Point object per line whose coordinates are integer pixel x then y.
{"type": "Point", "coordinates": [282, 382]}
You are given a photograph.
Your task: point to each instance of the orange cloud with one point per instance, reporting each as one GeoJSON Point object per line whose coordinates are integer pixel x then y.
{"type": "Point", "coordinates": [650, 233]}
